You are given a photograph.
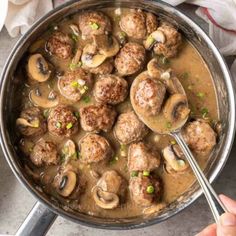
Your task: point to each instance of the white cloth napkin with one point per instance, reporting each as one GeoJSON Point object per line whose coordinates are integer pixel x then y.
{"type": "Point", "coordinates": [23, 13]}
{"type": "Point", "coordinates": [221, 17]}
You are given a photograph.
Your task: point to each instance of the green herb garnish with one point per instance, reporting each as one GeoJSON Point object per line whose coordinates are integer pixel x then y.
{"type": "Point", "coordinates": [74, 84]}
{"type": "Point", "coordinates": [168, 125]}
{"type": "Point", "coordinates": [173, 142]}
{"type": "Point", "coordinates": [46, 113]}
{"type": "Point", "coordinates": [146, 173]}
{"type": "Point", "coordinates": [134, 174]}
{"type": "Point", "coordinates": [200, 95]}
{"type": "Point", "coordinates": [114, 160]}
{"type": "Point", "coordinates": [94, 26]}
{"type": "Point", "coordinates": [76, 113]}
{"type": "Point", "coordinates": [58, 124]}
{"type": "Point", "coordinates": [185, 75]}
{"type": "Point", "coordinates": [74, 37]}
{"type": "Point", "coordinates": [86, 99]}
{"type": "Point", "coordinates": [204, 112]}
{"type": "Point", "coordinates": [150, 189]}
{"type": "Point", "coordinates": [69, 125]}
{"type": "Point", "coordinates": [74, 66]}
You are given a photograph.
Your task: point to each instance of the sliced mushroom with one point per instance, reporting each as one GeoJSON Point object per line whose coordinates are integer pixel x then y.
{"type": "Point", "coordinates": [107, 45]}
{"type": "Point", "coordinates": [69, 151]}
{"type": "Point", "coordinates": [174, 158]}
{"type": "Point", "coordinates": [176, 108]}
{"type": "Point", "coordinates": [155, 37]}
{"type": "Point", "coordinates": [105, 200]}
{"type": "Point", "coordinates": [154, 69]}
{"type": "Point", "coordinates": [65, 183]}
{"type": "Point", "coordinates": [77, 57]}
{"type": "Point", "coordinates": [91, 58]}
{"type": "Point", "coordinates": [41, 101]}
{"type": "Point", "coordinates": [23, 122]}
{"type": "Point", "coordinates": [38, 69]}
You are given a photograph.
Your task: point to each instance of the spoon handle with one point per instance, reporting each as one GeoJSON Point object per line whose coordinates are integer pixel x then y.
{"type": "Point", "coordinates": [214, 202]}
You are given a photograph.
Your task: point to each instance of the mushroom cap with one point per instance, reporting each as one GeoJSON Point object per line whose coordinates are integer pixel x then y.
{"type": "Point", "coordinates": [38, 68]}
{"type": "Point", "coordinates": [65, 183]}
{"type": "Point", "coordinates": [105, 200]}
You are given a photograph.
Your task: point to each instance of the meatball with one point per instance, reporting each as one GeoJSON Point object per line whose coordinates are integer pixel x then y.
{"type": "Point", "coordinates": [105, 68]}
{"type": "Point", "coordinates": [36, 123]}
{"type": "Point", "coordinates": [110, 89]}
{"type": "Point", "coordinates": [137, 24]}
{"type": "Point", "coordinates": [172, 42]}
{"type": "Point", "coordinates": [74, 84]}
{"type": "Point", "coordinates": [62, 122]}
{"type": "Point", "coordinates": [150, 95]}
{"type": "Point", "coordinates": [94, 148]}
{"type": "Point", "coordinates": [200, 137]}
{"type": "Point", "coordinates": [129, 128]}
{"type": "Point", "coordinates": [142, 158]}
{"type": "Point", "coordinates": [145, 190]}
{"type": "Point", "coordinates": [112, 182]}
{"type": "Point", "coordinates": [94, 23]}
{"type": "Point", "coordinates": [95, 118]}
{"type": "Point", "coordinates": [44, 153]}
{"type": "Point", "coordinates": [59, 45]}
{"type": "Point", "coordinates": [130, 59]}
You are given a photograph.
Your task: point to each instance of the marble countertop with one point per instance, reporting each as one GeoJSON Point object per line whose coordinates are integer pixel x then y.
{"type": "Point", "coordinates": [16, 201]}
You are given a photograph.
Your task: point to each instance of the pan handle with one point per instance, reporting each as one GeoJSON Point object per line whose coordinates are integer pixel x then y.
{"type": "Point", "coordinates": [38, 221]}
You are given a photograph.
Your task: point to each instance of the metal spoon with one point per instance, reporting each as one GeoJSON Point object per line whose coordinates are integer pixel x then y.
{"type": "Point", "coordinates": [155, 123]}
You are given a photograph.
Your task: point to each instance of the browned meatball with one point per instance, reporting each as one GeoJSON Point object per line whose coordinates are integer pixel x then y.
{"type": "Point", "coordinates": [137, 24]}
{"type": "Point", "coordinates": [110, 89]}
{"type": "Point", "coordinates": [173, 40]}
{"type": "Point", "coordinates": [62, 122]}
{"type": "Point", "coordinates": [150, 95]}
{"type": "Point", "coordinates": [35, 123]}
{"type": "Point", "coordinates": [74, 84]}
{"type": "Point", "coordinates": [130, 59]}
{"type": "Point", "coordinates": [142, 158]}
{"type": "Point", "coordinates": [145, 190]}
{"type": "Point", "coordinates": [129, 128]}
{"type": "Point", "coordinates": [95, 118]}
{"type": "Point", "coordinates": [44, 153]}
{"type": "Point", "coordinates": [94, 148]}
{"type": "Point", "coordinates": [105, 68]}
{"type": "Point", "coordinates": [60, 45]}
{"type": "Point", "coordinates": [112, 182]}
{"type": "Point", "coordinates": [94, 23]}
{"type": "Point", "coordinates": [200, 137]}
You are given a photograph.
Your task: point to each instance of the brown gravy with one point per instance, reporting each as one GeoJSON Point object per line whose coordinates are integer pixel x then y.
{"type": "Point", "coordinates": [197, 82]}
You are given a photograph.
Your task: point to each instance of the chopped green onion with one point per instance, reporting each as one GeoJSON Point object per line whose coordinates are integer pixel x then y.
{"type": "Point", "coordinates": [134, 173]}
{"type": "Point", "coordinates": [46, 113]}
{"type": "Point", "coordinates": [200, 94]}
{"type": "Point", "coordinates": [114, 160]}
{"type": "Point", "coordinates": [76, 114]}
{"type": "Point", "coordinates": [94, 25]}
{"type": "Point", "coordinates": [184, 75]}
{"type": "Point", "coordinates": [74, 84]}
{"type": "Point", "coordinates": [204, 112]}
{"type": "Point", "coordinates": [123, 147]}
{"type": "Point", "coordinates": [150, 40]}
{"type": "Point", "coordinates": [164, 61]}
{"type": "Point", "coordinates": [73, 66]}
{"type": "Point", "coordinates": [150, 189]}
{"type": "Point", "coordinates": [168, 125]}
{"type": "Point", "coordinates": [58, 124]}
{"type": "Point", "coordinates": [146, 173]}
{"type": "Point", "coordinates": [173, 142]}
{"type": "Point", "coordinates": [86, 99]}
{"type": "Point", "coordinates": [85, 87]}
{"type": "Point", "coordinates": [69, 125]}
{"type": "Point", "coordinates": [74, 37]}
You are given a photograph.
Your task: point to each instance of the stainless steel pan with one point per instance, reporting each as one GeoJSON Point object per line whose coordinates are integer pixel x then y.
{"type": "Point", "coordinates": [46, 210]}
